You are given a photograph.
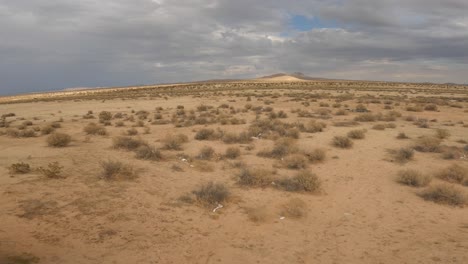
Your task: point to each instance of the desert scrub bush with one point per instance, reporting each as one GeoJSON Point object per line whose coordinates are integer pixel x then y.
{"type": "Point", "coordinates": [19, 168]}
{"type": "Point", "coordinates": [53, 170]}
{"type": "Point", "coordinates": [379, 127]}
{"type": "Point", "coordinates": [445, 194]}
{"type": "Point", "coordinates": [147, 152]}
{"type": "Point", "coordinates": [255, 177]}
{"type": "Point", "coordinates": [282, 148]}
{"type": "Point", "coordinates": [232, 153]}
{"type": "Point", "coordinates": [294, 208]}
{"type": "Point", "coordinates": [315, 155]}
{"type": "Point", "coordinates": [207, 134]}
{"type": "Point", "coordinates": [367, 117]}
{"type": "Point", "coordinates": [211, 194]}
{"type": "Point", "coordinates": [95, 129]}
{"type": "Point", "coordinates": [442, 133]}
{"type": "Point", "coordinates": [357, 134]}
{"type": "Point", "coordinates": [342, 142]}
{"type": "Point", "coordinates": [206, 153]}
{"type": "Point", "coordinates": [402, 135]}
{"type": "Point", "coordinates": [415, 108]}
{"type": "Point", "coordinates": [58, 140]}
{"type": "Point", "coordinates": [413, 178]}
{"type": "Point", "coordinates": [116, 170]}
{"type": "Point", "coordinates": [257, 214]}
{"type": "Point", "coordinates": [427, 144]}
{"type": "Point", "coordinates": [431, 107]}
{"type": "Point", "coordinates": [174, 142]}
{"type": "Point", "coordinates": [127, 143]}
{"type": "Point", "coordinates": [454, 173]}
{"type": "Point", "coordinates": [295, 162]}
{"type": "Point", "coordinates": [313, 127]}
{"type": "Point", "coordinates": [203, 166]}
{"type": "Point", "coordinates": [119, 124]}
{"type": "Point", "coordinates": [105, 116]}
{"type": "Point", "coordinates": [403, 155]}
{"type": "Point", "coordinates": [47, 129]}
{"type": "Point", "coordinates": [303, 181]}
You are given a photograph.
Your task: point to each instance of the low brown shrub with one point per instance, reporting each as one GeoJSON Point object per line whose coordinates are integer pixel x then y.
{"type": "Point", "coordinates": [117, 170]}
{"type": "Point", "coordinates": [58, 140]}
{"type": "Point", "coordinates": [413, 178]}
{"type": "Point", "coordinates": [342, 142]}
{"type": "Point", "coordinates": [445, 194]}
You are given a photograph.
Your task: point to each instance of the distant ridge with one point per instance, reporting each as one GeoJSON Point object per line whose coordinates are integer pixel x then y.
{"type": "Point", "coordinates": [296, 75]}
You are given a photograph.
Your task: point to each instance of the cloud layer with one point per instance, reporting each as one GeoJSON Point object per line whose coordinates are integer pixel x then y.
{"type": "Point", "coordinates": [47, 45]}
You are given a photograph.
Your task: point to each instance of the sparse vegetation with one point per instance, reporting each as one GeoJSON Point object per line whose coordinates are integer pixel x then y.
{"type": "Point", "coordinates": [255, 177]}
{"type": "Point", "coordinates": [127, 143]}
{"type": "Point", "coordinates": [445, 194]}
{"type": "Point", "coordinates": [58, 140]}
{"type": "Point", "coordinates": [95, 129]}
{"type": "Point", "coordinates": [427, 144]}
{"type": "Point", "coordinates": [413, 178]}
{"type": "Point", "coordinates": [210, 194]}
{"type": "Point", "coordinates": [294, 208]}
{"type": "Point", "coordinates": [404, 155]}
{"type": "Point", "coordinates": [53, 170]}
{"type": "Point", "coordinates": [116, 170]}
{"type": "Point", "coordinates": [174, 142]}
{"type": "Point", "coordinates": [342, 142]}
{"type": "Point", "coordinates": [232, 153]}
{"type": "Point", "coordinates": [454, 173]}
{"type": "Point", "coordinates": [20, 168]}
{"type": "Point", "coordinates": [147, 152]}
{"type": "Point", "coordinates": [304, 181]}
{"type": "Point", "coordinates": [357, 134]}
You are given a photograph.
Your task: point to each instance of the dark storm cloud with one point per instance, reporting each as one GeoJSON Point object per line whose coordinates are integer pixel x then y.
{"type": "Point", "coordinates": [55, 44]}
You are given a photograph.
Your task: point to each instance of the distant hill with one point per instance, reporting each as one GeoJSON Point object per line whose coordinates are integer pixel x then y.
{"type": "Point", "coordinates": [291, 76]}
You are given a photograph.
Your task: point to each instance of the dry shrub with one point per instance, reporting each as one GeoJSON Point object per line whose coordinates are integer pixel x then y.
{"type": "Point", "coordinates": [402, 135]}
{"type": "Point", "coordinates": [314, 127]}
{"type": "Point", "coordinates": [132, 132]}
{"type": "Point", "coordinates": [95, 129]}
{"type": "Point", "coordinates": [210, 194]}
{"type": "Point", "coordinates": [442, 133]}
{"type": "Point", "coordinates": [127, 143]}
{"type": "Point", "coordinates": [232, 153]}
{"type": "Point", "coordinates": [282, 148]}
{"type": "Point", "coordinates": [427, 144]}
{"type": "Point", "coordinates": [413, 178]}
{"type": "Point", "coordinates": [357, 134]}
{"type": "Point", "coordinates": [206, 153]}
{"type": "Point", "coordinates": [416, 108]}
{"type": "Point", "coordinates": [431, 107]}
{"type": "Point", "coordinates": [294, 208]}
{"type": "Point", "coordinates": [19, 168]}
{"type": "Point", "coordinates": [53, 170]}
{"type": "Point", "coordinates": [47, 129]}
{"type": "Point", "coordinates": [454, 173]}
{"type": "Point", "coordinates": [58, 140]}
{"type": "Point", "coordinates": [117, 170]}
{"type": "Point", "coordinates": [174, 142]}
{"type": "Point", "coordinates": [105, 116]}
{"type": "Point", "coordinates": [303, 181]}
{"type": "Point", "coordinates": [403, 155]}
{"type": "Point", "coordinates": [295, 162]}
{"type": "Point", "coordinates": [315, 155]}
{"type": "Point", "coordinates": [342, 142]}
{"type": "Point", "coordinates": [206, 134]}
{"type": "Point", "coordinates": [452, 153]}
{"type": "Point", "coordinates": [367, 117]}
{"type": "Point", "coordinates": [255, 177]}
{"type": "Point", "coordinates": [146, 152]}
{"type": "Point", "coordinates": [445, 194]}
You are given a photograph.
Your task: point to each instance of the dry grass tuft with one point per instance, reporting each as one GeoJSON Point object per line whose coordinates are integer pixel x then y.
{"type": "Point", "coordinates": [445, 194]}
{"type": "Point", "coordinates": [282, 148]}
{"type": "Point", "coordinates": [116, 170]}
{"type": "Point", "coordinates": [404, 155]}
{"type": "Point", "coordinates": [147, 152]}
{"type": "Point", "coordinates": [295, 161]}
{"type": "Point", "coordinates": [442, 133]}
{"type": "Point", "coordinates": [210, 194]}
{"type": "Point", "coordinates": [303, 181]}
{"type": "Point", "coordinates": [315, 155]}
{"type": "Point", "coordinates": [53, 170]}
{"type": "Point", "coordinates": [206, 153]}
{"type": "Point", "coordinates": [127, 143]}
{"type": "Point", "coordinates": [94, 129]}
{"type": "Point", "coordinates": [413, 178]}
{"type": "Point", "coordinates": [454, 173]}
{"type": "Point", "coordinates": [58, 140]}
{"type": "Point", "coordinates": [256, 177]}
{"type": "Point", "coordinates": [19, 168]}
{"type": "Point", "coordinates": [258, 214]}
{"type": "Point", "coordinates": [427, 144]}
{"type": "Point", "coordinates": [357, 134]}
{"type": "Point", "coordinates": [232, 153]}
{"type": "Point", "coordinates": [342, 142]}
{"type": "Point", "coordinates": [174, 142]}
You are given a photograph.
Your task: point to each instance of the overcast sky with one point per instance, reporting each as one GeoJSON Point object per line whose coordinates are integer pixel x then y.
{"type": "Point", "coordinates": [55, 44]}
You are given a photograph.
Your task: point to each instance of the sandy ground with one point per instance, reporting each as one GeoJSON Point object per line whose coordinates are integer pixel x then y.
{"type": "Point", "coordinates": [362, 215]}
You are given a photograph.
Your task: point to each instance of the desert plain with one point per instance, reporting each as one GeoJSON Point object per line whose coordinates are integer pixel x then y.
{"type": "Point", "coordinates": [272, 170]}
